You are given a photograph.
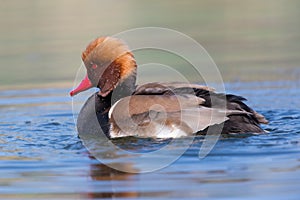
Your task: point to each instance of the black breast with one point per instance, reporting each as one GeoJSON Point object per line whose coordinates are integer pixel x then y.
{"type": "Point", "coordinates": [93, 116]}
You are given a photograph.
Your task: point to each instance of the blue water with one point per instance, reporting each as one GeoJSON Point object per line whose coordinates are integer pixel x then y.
{"type": "Point", "coordinates": [42, 157]}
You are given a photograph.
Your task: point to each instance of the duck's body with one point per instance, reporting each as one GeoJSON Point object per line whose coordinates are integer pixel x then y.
{"type": "Point", "coordinates": [157, 110]}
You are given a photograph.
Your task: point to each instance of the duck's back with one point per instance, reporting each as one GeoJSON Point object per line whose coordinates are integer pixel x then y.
{"type": "Point", "coordinates": [169, 110]}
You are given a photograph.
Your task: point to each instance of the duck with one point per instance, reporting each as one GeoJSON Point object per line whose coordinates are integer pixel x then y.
{"type": "Point", "coordinates": [153, 110]}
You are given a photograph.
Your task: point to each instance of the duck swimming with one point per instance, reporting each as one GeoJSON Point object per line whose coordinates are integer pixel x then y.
{"type": "Point", "coordinates": [156, 110]}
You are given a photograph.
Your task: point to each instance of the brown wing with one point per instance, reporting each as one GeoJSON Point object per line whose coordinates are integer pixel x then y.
{"type": "Point", "coordinates": [137, 104]}
{"type": "Point", "coordinates": [181, 106]}
{"type": "Point", "coordinates": [141, 115]}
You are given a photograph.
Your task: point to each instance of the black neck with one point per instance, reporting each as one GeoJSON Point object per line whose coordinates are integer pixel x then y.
{"type": "Point", "coordinates": [124, 89]}
{"type": "Point", "coordinates": [102, 104]}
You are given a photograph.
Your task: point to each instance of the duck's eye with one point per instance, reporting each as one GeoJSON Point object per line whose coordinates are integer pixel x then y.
{"type": "Point", "coordinates": [94, 66]}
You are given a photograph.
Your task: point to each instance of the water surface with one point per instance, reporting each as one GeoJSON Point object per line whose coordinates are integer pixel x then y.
{"type": "Point", "coordinates": [42, 157]}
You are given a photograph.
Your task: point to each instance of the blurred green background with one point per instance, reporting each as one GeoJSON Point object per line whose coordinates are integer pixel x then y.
{"type": "Point", "coordinates": [41, 41]}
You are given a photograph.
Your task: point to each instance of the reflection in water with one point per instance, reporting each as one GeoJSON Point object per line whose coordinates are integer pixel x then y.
{"type": "Point", "coordinates": [111, 177]}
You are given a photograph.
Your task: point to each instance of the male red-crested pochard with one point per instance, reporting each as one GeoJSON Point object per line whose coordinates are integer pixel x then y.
{"type": "Point", "coordinates": [157, 110]}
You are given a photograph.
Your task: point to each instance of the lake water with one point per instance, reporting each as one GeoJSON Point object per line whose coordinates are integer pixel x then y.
{"type": "Point", "coordinates": [255, 45]}
{"type": "Point", "coordinates": [42, 157]}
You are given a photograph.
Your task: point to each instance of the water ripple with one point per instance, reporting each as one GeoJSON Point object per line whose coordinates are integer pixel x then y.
{"type": "Point", "coordinates": [39, 148]}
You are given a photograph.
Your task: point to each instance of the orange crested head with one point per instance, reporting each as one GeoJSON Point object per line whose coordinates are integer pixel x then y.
{"type": "Point", "coordinates": [108, 62]}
